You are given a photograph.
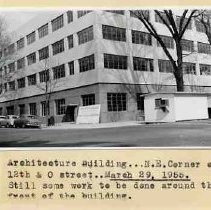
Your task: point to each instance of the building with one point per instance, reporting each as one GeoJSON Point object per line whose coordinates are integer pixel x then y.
{"type": "Point", "coordinates": [96, 57]}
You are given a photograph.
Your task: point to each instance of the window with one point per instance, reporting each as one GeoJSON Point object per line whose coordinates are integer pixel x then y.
{"type": "Point", "coordinates": [187, 45]}
{"type": "Point", "coordinates": [140, 102]}
{"type": "Point", "coordinates": [205, 69]}
{"type": "Point", "coordinates": [114, 33]}
{"type": "Point", "coordinates": [69, 16]}
{"type": "Point", "coordinates": [115, 61]}
{"type": "Point", "coordinates": [184, 22]}
{"type": "Point", "coordinates": [159, 20]}
{"type": "Point", "coordinates": [139, 37]}
{"type": "Point", "coordinates": [21, 82]}
{"type": "Point", "coordinates": [31, 58]}
{"type": "Point", "coordinates": [59, 71]}
{"type": "Point", "coordinates": [11, 49]}
{"type": "Point", "coordinates": [85, 35]}
{"type": "Point", "coordinates": [60, 106]}
{"type": "Point", "coordinates": [57, 23]}
{"type": "Point", "coordinates": [199, 26]}
{"type": "Point", "coordinates": [20, 63]}
{"type": "Point", "coordinates": [20, 43]}
{"type": "Point", "coordinates": [71, 67]}
{"type": "Point", "coordinates": [5, 87]}
{"type": "Point", "coordinates": [44, 76]}
{"type": "Point", "coordinates": [120, 12]}
{"type": "Point", "coordinates": [189, 68]}
{"type": "Point", "coordinates": [31, 38]}
{"type": "Point", "coordinates": [21, 109]}
{"type": "Point", "coordinates": [116, 102]}
{"type": "Point", "coordinates": [12, 85]}
{"type": "Point", "coordinates": [45, 109]}
{"type": "Point", "coordinates": [87, 63]}
{"type": "Point", "coordinates": [168, 41]}
{"type": "Point", "coordinates": [1, 110]}
{"type": "Point", "coordinates": [43, 31]}
{"type": "Point", "coordinates": [10, 110]}
{"type": "Point", "coordinates": [11, 67]}
{"type": "Point", "coordinates": [204, 48]}
{"type": "Point", "coordinates": [43, 53]}
{"type": "Point", "coordinates": [159, 103]}
{"type": "Point", "coordinates": [1, 88]}
{"type": "Point", "coordinates": [142, 64]}
{"type": "Point", "coordinates": [137, 13]}
{"type": "Point", "coordinates": [165, 66]}
{"type": "Point", "coordinates": [5, 70]}
{"type": "Point", "coordinates": [32, 80]}
{"type": "Point", "coordinates": [83, 12]}
{"type": "Point", "coordinates": [88, 99]}
{"type": "Point", "coordinates": [5, 52]}
{"type": "Point", "coordinates": [70, 41]}
{"type": "Point", "coordinates": [33, 108]}
{"type": "Point", "coordinates": [58, 47]}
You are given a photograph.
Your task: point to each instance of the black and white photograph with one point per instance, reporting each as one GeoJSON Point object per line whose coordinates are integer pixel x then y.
{"type": "Point", "coordinates": [134, 77]}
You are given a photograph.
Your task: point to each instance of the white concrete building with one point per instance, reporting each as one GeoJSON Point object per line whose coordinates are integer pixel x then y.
{"type": "Point", "coordinates": [96, 57]}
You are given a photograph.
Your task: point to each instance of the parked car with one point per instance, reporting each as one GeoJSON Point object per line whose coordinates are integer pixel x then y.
{"type": "Point", "coordinates": [27, 121]}
{"type": "Point", "coordinates": [10, 120]}
{"type": "Point", "coordinates": [3, 121]}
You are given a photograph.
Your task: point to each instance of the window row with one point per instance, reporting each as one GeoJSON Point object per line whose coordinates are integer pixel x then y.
{"type": "Point", "coordinates": [139, 37]}
{"type": "Point", "coordinates": [85, 64]}
{"type": "Point", "coordinates": [43, 76]}
{"type": "Point", "coordinates": [160, 17]}
{"type": "Point", "coordinates": [109, 33]}
{"type": "Point", "coordinates": [43, 53]}
{"type": "Point", "coordinates": [110, 62]}
{"type": "Point", "coordinates": [60, 106]}
{"type": "Point", "coordinates": [43, 31]}
{"type": "Point", "coordinates": [146, 64]}
{"type": "Point", "coordinates": [166, 67]}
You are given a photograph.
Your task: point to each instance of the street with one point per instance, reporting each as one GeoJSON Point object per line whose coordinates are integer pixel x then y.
{"type": "Point", "coordinates": [152, 135]}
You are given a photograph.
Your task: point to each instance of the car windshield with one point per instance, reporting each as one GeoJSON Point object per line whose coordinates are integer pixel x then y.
{"type": "Point", "coordinates": [2, 117]}
{"type": "Point", "coordinates": [14, 117]}
{"type": "Point", "coordinates": [32, 117]}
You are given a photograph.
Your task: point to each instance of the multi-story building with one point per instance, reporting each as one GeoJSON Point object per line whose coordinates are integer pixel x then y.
{"type": "Point", "coordinates": [96, 57]}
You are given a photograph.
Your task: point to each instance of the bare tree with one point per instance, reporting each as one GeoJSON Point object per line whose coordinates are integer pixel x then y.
{"type": "Point", "coordinates": [205, 19]}
{"type": "Point", "coordinates": [177, 27]}
{"type": "Point", "coordinates": [7, 56]}
{"type": "Point", "coordinates": [47, 86]}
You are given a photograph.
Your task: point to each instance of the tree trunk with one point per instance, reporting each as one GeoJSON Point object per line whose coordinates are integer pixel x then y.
{"type": "Point", "coordinates": [180, 84]}
{"type": "Point", "coordinates": [178, 72]}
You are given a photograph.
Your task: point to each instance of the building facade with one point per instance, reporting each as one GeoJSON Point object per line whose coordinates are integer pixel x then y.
{"type": "Point", "coordinates": [95, 57]}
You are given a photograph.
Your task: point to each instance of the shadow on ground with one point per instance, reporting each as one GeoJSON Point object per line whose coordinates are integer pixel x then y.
{"type": "Point", "coordinates": [20, 143]}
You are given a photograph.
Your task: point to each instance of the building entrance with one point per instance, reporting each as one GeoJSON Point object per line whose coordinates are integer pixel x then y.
{"type": "Point", "coordinates": [71, 113]}
{"type": "Point", "coordinates": [209, 113]}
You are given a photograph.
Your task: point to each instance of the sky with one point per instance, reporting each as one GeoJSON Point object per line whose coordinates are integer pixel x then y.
{"type": "Point", "coordinates": [15, 18]}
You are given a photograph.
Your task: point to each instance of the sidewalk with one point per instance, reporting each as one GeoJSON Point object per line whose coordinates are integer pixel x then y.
{"type": "Point", "coordinates": [68, 125]}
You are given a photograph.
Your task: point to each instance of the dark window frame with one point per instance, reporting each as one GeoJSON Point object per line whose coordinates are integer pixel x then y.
{"type": "Point", "coordinates": [87, 63]}
{"type": "Point", "coordinates": [88, 99]}
{"type": "Point", "coordinates": [116, 102]}
{"type": "Point", "coordinates": [112, 61]}
{"type": "Point", "coordinates": [60, 106]}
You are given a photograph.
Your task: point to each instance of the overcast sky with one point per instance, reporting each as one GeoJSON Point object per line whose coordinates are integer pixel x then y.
{"type": "Point", "coordinates": [15, 18]}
